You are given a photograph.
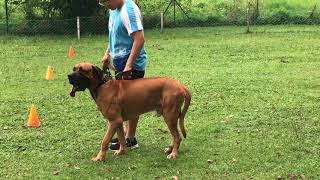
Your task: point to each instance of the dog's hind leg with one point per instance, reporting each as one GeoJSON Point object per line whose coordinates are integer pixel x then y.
{"type": "Point", "coordinates": [171, 118]}
{"type": "Point", "coordinates": [171, 111]}
{"type": "Point", "coordinates": [176, 139]}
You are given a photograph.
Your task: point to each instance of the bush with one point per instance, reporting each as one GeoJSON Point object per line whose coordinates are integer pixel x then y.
{"type": "Point", "coordinates": [152, 21]}
{"type": "Point", "coordinates": [201, 13]}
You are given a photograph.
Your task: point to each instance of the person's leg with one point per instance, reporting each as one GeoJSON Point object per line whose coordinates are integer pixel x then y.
{"type": "Point", "coordinates": [115, 141]}
{"type": "Point", "coordinates": [133, 123]}
{"type": "Point", "coordinates": [130, 126]}
{"type": "Point", "coordinates": [126, 128]}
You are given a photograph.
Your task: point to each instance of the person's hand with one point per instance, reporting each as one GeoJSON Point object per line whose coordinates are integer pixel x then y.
{"type": "Point", "coordinates": [105, 62]}
{"type": "Point", "coordinates": [127, 72]}
{"type": "Point", "coordinates": [128, 68]}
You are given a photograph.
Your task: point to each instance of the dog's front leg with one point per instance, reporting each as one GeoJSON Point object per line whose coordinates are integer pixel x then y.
{"type": "Point", "coordinates": [122, 141]}
{"type": "Point", "coordinates": [113, 125]}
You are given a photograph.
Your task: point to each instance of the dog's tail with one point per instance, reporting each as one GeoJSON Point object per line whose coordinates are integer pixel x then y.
{"type": "Point", "coordinates": [187, 100]}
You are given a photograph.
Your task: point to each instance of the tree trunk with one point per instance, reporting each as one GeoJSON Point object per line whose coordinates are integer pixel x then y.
{"type": "Point", "coordinates": [257, 14]}
{"type": "Point", "coordinates": [7, 17]}
{"type": "Point", "coordinates": [312, 12]}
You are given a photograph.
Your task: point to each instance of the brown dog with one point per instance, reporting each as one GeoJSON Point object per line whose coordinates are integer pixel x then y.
{"type": "Point", "coordinates": [121, 100]}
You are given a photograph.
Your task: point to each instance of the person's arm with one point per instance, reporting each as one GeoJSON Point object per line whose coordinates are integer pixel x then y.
{"type": "Point", "coordinates": [132, 21]}
{"type": "Point", "coordinates": [138, 42]}
{"type": "Point", "coordinates": [106, 60]}
{"type": "Point", "coordinates": [106, 56]}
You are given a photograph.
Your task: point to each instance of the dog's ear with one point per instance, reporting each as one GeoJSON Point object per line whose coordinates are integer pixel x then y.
{"type": "Point", "coordinates": [80, 68]}
{"type": "Point", "coordinates": [77, 67]}
{"type": "Point", "coordinates": [97, 72]}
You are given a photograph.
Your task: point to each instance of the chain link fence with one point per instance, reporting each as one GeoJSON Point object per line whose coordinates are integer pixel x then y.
{"type": "Point", "coordinates": [177, 13]}
{"type": "Point", "coordinates": [88, 25]}
{"type": "Point", "coordinates": [237, 12]}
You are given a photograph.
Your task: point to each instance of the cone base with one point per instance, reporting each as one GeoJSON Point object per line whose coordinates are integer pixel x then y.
{"type": "Point", "coordinates": [49, 79]}
{"type": "Point", "coordinates": [34, 124]}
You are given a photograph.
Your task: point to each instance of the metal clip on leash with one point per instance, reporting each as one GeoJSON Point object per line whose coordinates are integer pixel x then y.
{"type": "Point", "coordinates": [120, 75]}
{"type": "Point", "coordinates": [107, 72]}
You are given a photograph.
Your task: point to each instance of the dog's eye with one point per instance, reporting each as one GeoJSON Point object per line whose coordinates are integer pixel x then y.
{"type": "Point", "coordinates": [74, 68]}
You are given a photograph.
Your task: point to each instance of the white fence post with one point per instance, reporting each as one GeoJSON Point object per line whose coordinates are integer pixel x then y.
{"type": "Point", "coordinates": [162, 22]}
{"type": "Point", "coordinates": [78, 27]}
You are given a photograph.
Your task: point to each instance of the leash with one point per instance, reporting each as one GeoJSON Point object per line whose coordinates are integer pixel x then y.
{"type": "Point", "coordinates": [106, 76]}
{"type": "Point", "coordinates": [117, 76]}
{"type": "Point", "coordinates": [127, 75]}
{"type": "Point", "coordinates": [106, 71]}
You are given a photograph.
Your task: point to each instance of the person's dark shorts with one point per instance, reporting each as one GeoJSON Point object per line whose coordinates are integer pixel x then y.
{"type": "Point", "coordinates": [135, 74]}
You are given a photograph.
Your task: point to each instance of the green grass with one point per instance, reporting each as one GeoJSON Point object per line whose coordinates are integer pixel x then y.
{"type": "Point", "coordinates": [254, 113]}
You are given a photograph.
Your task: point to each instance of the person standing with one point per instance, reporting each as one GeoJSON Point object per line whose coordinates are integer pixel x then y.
{"type": "Point", "coordinates": [127, 52]}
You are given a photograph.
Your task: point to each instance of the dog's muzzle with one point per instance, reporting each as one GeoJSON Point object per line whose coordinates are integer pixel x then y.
{"type": "Point", "coordinates": [79, 82]}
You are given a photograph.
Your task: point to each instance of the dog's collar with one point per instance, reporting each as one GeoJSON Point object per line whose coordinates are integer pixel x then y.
{"type": "Point", "coordinates": [106, 76]}
{"type": "Point", "coordinates": [103, 81]}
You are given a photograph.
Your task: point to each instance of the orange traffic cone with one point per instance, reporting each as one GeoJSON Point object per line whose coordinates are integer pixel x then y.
{"type": "Point", "coordinates": [49, 75]}
{"type": "Point", "coordinates": [71, 52]}
{"type": "Point", "coordinates": [33, 120]}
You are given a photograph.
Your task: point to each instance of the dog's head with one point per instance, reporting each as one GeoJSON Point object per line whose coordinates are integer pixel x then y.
{"type": "Point", "coordinates": [84, 75]}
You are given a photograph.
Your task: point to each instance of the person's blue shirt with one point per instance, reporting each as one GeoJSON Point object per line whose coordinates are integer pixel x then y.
{"type": "Point", "coordinates": [122, 23]}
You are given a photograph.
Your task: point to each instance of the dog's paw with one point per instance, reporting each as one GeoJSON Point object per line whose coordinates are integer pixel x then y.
{"type": "Point", "coordinates": [118, 153]}
{"type": "Point", "coordinates": [98, 158]}
{"type": "Point", "coordinates": [101, 156]}
{"type": "Point", "coordinates": [172, 156]}
{"type": "Point", "coordinates": [168, 150]}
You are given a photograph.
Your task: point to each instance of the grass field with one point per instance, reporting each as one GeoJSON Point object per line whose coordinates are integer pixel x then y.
{"type": "Point", "coordinates": [254, 114]}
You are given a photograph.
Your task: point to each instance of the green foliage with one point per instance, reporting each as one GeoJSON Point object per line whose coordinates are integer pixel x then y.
{"type": "Point", "coordinates": [221, 12]}
{"type": "Point", "coordinates": [53, 9]}
{"type": "Point", "coordinates": [254, 113]}
{"type": "Point", "coordinates": [201, 12]}
{"type": "Point", "coordinates": [2, 12]}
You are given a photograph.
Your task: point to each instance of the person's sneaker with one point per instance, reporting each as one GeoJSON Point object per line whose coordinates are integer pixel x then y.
{"type": "Point", "coordinates": [115, 140]}
{"type": "Point", "coordinates": [131, 143]}
{"type": "Point", "coordinates": [114, 144]}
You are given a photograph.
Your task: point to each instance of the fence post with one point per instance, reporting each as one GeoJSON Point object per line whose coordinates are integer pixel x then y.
{"type": "Point", "coordinates": [78, 27]}
{"type": "Point", "coordinates": [162, 22]}
{"type": "Point", "coordinates": [248, 17]}
{"type": "Point", "coordinates": [7, 17]}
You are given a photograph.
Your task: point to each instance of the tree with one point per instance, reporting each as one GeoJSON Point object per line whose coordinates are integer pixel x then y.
{"type": "Point", "coordinates": [257, 11]}
{"type": "Point", "coordinates": [56, 9]}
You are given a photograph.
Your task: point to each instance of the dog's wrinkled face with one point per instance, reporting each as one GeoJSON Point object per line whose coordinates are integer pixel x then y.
{"type": "Point", "coordinates": [82, 77]}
